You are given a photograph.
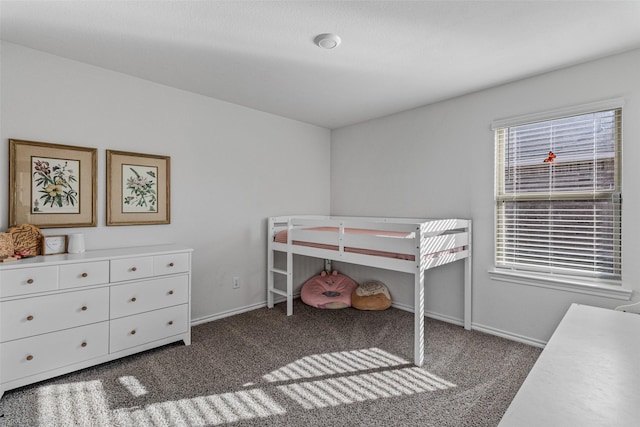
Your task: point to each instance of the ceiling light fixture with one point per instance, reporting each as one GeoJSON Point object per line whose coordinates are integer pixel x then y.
{"type": "Point", "coordinates": [327, 41]}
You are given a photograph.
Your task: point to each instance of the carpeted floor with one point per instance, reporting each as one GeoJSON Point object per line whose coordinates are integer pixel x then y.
{"type": "Point", "coordinates": [315, 368]}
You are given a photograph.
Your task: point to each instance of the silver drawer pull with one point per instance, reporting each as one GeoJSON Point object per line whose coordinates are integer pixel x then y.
{"type": "Point", "coordinates": [29, 318]}
{"type": "Point", "coordinates": [84, 275]}
{"type": "Point", "coordinates": [30, 281]}
{"type": "Point", "coordinates": [84, 344]}
{"type": "Point", "coordinates": [29, 357]}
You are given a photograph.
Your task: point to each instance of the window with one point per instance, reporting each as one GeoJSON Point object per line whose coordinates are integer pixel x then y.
{"type": "Point", "coordinates": [558, 194]}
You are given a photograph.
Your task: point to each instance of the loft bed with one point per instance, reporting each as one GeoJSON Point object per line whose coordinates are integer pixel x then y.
{"type": "Point", "coordinates": [398, 244]}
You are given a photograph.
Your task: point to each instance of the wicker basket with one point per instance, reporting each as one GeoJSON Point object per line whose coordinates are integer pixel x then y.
{"type": "Point", "coordinates": [6, 245]}
{"type": "Point", "coordinates": [26, 236]}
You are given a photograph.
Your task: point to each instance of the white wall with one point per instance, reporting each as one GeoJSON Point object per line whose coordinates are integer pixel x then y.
{"type": "Point", "coordinates": [231, 167]}
{"type": "Point", "coordinates": [438, 161]}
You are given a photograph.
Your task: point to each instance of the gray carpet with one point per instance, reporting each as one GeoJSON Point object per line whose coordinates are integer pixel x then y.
{"type": "Point", "coordinates": [316, 368]}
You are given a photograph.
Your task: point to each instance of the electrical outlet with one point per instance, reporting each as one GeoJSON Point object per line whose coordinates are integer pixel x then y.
{"type": "Point", "coordinates": [236, 282]}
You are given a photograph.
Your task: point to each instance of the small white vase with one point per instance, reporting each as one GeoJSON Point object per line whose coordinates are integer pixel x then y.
{"type": "Point", "coordinates": [76, 243]}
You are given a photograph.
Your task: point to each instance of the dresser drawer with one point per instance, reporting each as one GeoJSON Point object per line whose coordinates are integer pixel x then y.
{"type": "Point", "coordinates": [169, 264]}
{"type": "Point", "coordinates": [128, 332]}
{"type": "Point", "coordinates": [28, 280]}
{"type": "Point", "coordinates": [30, 356]}
{"type": "Point", "coordinates": [27, 317]}
{"type": "Point", "coordinates": [131, 268]}
{"type": "Point", "coordinates": [84, 274]}
{"type": "Point", "coordinates": [133, 298]}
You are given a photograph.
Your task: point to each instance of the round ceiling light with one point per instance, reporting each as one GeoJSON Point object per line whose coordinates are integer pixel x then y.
{"type": "Point", "coordinates": [327, 41]}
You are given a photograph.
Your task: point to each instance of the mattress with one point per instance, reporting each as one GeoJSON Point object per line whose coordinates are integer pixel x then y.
{"type": "Point", "coordinates": [281, 237]}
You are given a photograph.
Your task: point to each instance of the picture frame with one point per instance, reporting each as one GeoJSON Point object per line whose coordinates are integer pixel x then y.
{"type": "Point", "coordinates": [138, 188]}
{"type": "Point", "coordinates": [52, 245]}
{"type": "Point", "coordinates": [52, 185]}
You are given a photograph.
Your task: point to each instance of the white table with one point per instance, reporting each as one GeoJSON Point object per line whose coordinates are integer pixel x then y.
{"type": "Point", "coordinates": [587, 375]}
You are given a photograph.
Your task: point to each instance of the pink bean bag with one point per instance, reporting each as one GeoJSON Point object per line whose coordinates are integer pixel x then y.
{"type": "Point", "coordinates": [328, 291]}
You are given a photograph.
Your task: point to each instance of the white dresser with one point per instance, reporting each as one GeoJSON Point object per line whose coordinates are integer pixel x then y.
{"type": "Point", "coordinates": [61, 313]}
{"type": "Point", "coordinates": [587, 375]}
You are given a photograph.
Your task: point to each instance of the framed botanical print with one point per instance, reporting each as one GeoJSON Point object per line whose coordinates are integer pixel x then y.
{"type": "Point", "coordinates": [138, 188]}
{"type": "Point", "coordinates": [52, 185]}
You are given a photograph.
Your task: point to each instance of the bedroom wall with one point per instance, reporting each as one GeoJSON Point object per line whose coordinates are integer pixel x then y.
{"type": "Point", "coordinates": [438, 161]}
{"type": "Point", "coordinates": [231, 167]}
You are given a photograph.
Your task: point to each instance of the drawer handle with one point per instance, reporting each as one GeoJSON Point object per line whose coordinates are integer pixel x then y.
{"type": "Point", "coordinates": [170, 264]}
{"type": "Point", "coordinates": [170, 322]}
{"type": "Point", "coordinates": [84, 344]}
{"type": "Point", "coordinates": [29, 357]}
{"type": "Point", "coordinates": [134, 269]}
{"type": "Point", "coordinates": [170, 292]}
{"type": "Point", "coordinates": [133, 332]}
{"type": "Point", "coordinates": [84, 275]}
{"type": "Point", "coordinates": [133, 299]}
{"type": "Point", "coordinates": [30, 281]}
{"type": "Point", "coordinates": [29, 318]}
{"type": "Point", "coordinates": [84, 308]}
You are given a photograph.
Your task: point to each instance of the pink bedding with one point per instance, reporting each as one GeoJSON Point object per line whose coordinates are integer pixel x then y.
{"type": "Point", "coordinates": [281, 237]}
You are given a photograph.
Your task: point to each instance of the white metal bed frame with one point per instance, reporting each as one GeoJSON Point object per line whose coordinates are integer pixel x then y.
{"type": "Point", "coordinates": [432, 244]}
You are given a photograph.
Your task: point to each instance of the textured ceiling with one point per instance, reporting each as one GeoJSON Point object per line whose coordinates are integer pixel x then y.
{"type": "Point", "coordinates": [395, 55]}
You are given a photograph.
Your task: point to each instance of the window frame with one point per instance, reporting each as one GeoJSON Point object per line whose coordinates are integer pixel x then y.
{"type": "Point", "coordinates": [572, 282]}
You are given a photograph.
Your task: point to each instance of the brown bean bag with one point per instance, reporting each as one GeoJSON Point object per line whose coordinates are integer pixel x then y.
{"type": "Point", "coordinates": [371, 295]}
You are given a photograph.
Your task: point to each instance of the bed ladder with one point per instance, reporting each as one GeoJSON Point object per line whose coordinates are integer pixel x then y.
{"type": "Point", "coordinates": [288, 272]}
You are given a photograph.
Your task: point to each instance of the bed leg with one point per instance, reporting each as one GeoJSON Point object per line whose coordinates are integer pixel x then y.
{"type": "Point", "coordinates": [270, 262]}
{"type": "Point", "coordinates": [270, 278]}
{"type": "Point", "coordinates": [418, 322]}
{"type": "Point", "coordinates": [289, 283]}
{"type": "Point", "coordinates": [468, 279]}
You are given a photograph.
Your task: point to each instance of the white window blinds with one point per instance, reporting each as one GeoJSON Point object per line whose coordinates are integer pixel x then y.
{"type": "Point", "coordinates": [558, 202]}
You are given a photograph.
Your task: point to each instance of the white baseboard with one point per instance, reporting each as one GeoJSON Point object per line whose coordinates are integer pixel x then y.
{"type": "Point", "coordinates": [239, 310]}
{"type": "Point", "coordinates": [430, 314]}
{"type": "Point", "coordinates": [480, 328]}
{"type": "Point", "coordinates": [476, 327]}
{"type": "Point", "coordinates": [279, 299]}
{"type": "Point", "coordinates": [508, 335]}
{"type": "Point", "coordinates": [228, 313]}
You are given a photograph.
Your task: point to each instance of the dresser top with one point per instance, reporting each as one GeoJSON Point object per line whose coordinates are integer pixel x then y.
{"type": "Point", "coordinates": [587, 375]}
{"type": "Point", "coordinates": [95, 255]}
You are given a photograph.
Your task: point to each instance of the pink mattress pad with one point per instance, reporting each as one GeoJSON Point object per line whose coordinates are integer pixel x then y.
{"type": "Point", "coordinates": [281, 237]}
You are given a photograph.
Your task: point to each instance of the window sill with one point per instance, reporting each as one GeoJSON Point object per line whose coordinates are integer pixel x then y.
{"type": "Point", "coordinates": [608, 289]}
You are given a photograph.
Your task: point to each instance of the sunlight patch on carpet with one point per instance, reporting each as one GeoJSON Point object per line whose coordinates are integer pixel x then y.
{"type": "Point", "coordinates": [358, 388]}
{"type": "Point", "coordinates": [73, 404]}
{"type": "Point", "coordinates": [133, 386]}
{"type": "Point", "coordinates": [342, 362]}
{"type": "Point", "coordinates": [348, 377]}
{"type": "Point", "coordinates": [203, 410]}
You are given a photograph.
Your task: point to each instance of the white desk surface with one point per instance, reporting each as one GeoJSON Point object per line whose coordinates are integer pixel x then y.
{"type": "Point", "coordinates": [587, 375]}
